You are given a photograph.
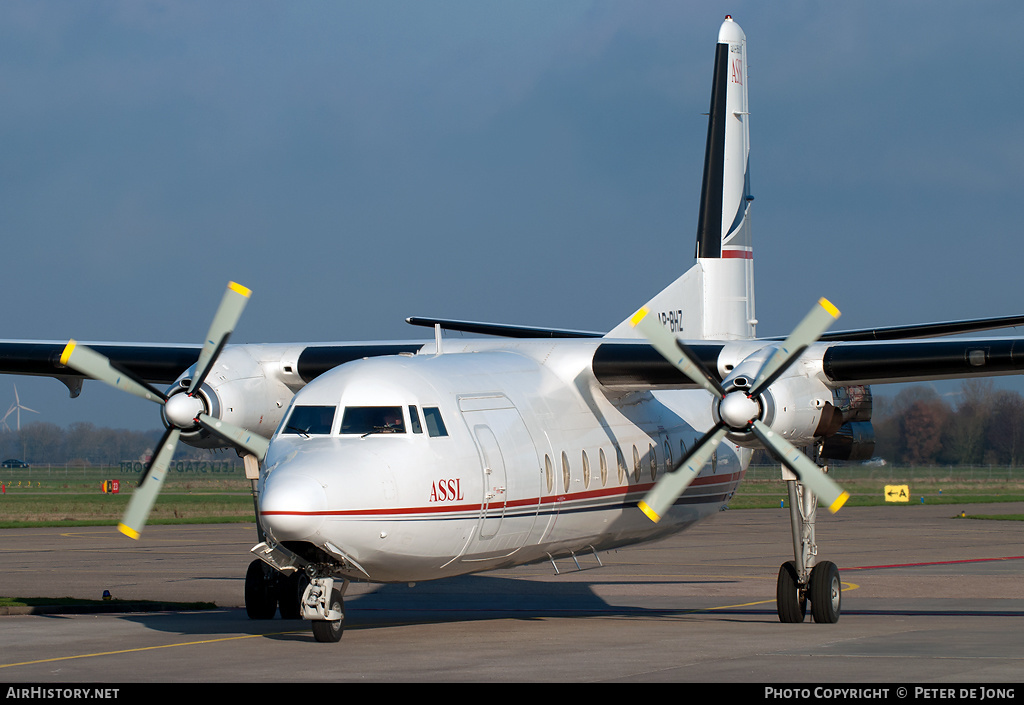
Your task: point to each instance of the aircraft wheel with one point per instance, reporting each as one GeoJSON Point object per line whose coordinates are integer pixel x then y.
{"type": "Point", "coordinates": [260, 591]}
{"type": "Point", "coordinates": [330, 631]}
{"type": "Point", "coordinates": [289, 594]}
{"type": "Point", "coordinates": [790, 598]}
{"type": "Point", "coordinates": [826, 593]}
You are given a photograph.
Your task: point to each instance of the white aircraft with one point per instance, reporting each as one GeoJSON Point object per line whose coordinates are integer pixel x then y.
{"type": "Point", "coordinates": [412, 461]}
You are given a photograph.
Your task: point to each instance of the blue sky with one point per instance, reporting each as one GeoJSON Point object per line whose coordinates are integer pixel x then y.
{"type": "Point", "coordinates": [526, 162]}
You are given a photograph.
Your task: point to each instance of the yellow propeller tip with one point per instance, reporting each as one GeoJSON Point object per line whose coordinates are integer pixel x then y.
{"type": "Point", "coordinates": [829, 306]}
{"type": "Point", "coordinates": [651, 514]}
{"type": "Point", "coordinates": [639, 316]}
{"type": "Point", "coordinates": [239, 289]}
{"type": "Point", "coordinates": [68, 349]}
{"type": "Point", "coordinates": [840, 501]}
{"type": "Point", "coordinates": [128, 531]}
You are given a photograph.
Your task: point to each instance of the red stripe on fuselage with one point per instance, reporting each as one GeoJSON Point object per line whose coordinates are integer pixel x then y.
{"type": "Point", "coordinates": [531, 502]}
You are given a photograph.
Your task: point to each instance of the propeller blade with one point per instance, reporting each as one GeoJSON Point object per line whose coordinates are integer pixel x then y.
{"type": "Point", "coordinates": [243, 438]}
{"type": "Point", "coordinates": [675, 351]}
{"type": "Point", "coordinates": [672, 485]}
{"type": "Point", "coordinates": [826, 489]}
{"type": "Point", "coordinates": [224, 321]}
{"type": "Point", "coordinates": [92, 364]}
{"type": "Point", "coordinates": [145, 494]}
{"type": "Point", "coordinates": [816, 322]}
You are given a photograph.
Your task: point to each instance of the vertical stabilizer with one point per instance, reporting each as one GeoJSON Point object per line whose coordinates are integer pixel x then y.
{"type": "Point", "coordinates": [715, 298]}
{"type": "Point", "coordinates": [724, 248]}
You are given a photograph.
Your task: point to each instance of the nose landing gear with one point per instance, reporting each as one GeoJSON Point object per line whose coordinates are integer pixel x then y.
{"type": "Point", "coordinates": [323, 604]}
{"type": "Point", "coordinates": [280, 578]}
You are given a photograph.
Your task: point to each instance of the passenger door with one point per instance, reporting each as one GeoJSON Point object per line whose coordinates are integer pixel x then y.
{"type": "Point", "coordinates": [511, 474]}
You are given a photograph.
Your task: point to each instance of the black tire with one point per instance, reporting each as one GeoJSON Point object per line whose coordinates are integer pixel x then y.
{"type": "Point", "coordinates": [826, 593]}
{"type": "Point", "coordinates": [260, 591]}
{"type": "Point", "coordinates": [289, 595]}
{"type": "Point", "coordinates": [330, 632]}
{"type": "Point", "coordinates": [790, 597]}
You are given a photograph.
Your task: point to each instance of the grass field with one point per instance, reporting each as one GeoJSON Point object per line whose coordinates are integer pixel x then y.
{"type": "Point", "coordinates": [73, 496]}
{"type": "Point", "coordinates": [763, 486]}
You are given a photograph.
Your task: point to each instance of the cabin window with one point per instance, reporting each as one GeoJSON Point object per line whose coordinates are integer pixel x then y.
{"type": "Point", "coordinates": [603, 462]}
{"type": "Point", "coordinates": [414, 419]}
{"type": "Point", "coordinates": [549, 472]}
{"type": "Point", "coordinates": [668, 456]}
{"type": "Point", "coordinates": [586, 470]}
{"type": "Point", "coordinates": [435, 425]}
{"type": "Point", "coordinates": [565, 472]}
{"type": "Point", "coordinates": [620, 460]}
{"type": "Point", "coordinates": [366, 420]}
{"type": "Point", "coordinates": [310, 420]}
{"type": "Point", "coordinates": [636, 465]}
{"type": "Point", "coordinates": [653, 461]}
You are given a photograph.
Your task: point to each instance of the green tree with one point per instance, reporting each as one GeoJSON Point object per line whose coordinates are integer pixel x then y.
{"type": "Point", "coordinates": [1005, 433]}
{"type": "Point", "coordinates": [966, 434]}
{"type": "Point", "coordinates": [922, 425]}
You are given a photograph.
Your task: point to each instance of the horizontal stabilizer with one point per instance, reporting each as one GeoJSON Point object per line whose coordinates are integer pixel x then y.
{"type": "Point", "coordinates": [501, 329]}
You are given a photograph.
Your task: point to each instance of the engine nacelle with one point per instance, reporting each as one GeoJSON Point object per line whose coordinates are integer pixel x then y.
{"type": "Point", "coordinates": [853, 441]}
{"type": "Point", "coordinates": [238, 390]}
{"type": "Point", "coordinates": [855, 438]}
{"type": "Point", "coordinates": [804, 410]}
{"type": "Point", "coordinates": [797, 408]}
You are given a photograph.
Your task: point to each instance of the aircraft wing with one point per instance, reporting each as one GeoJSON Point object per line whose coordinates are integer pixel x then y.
{"type": "Point", "coordinates": [637, 365]}
{"type": "Point", "coordinates": [916, 330]}
{"type": "Point", "coordinates": [164, 363]}
{"type": "Point", "coordinates": [925, 330]}
{"type": "Point", "coordinates": [159, 364]}
{"type": "Point", "coordinates": [890, 362]}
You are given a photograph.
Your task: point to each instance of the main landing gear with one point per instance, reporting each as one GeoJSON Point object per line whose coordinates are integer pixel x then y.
{"type": "Point", "coordinates": [297, 594]}
{"type": "Point", "coordinates": [267, 590]}
{"type": "Point", "coordinates": [803, 579]}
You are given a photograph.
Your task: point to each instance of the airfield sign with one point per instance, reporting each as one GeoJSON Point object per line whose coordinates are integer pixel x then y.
{"type": "Point", "coordinates": [897, 493]}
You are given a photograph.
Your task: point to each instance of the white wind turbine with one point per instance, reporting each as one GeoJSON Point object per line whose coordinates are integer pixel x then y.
{"type": "Point", "coordinates": [16, 409]}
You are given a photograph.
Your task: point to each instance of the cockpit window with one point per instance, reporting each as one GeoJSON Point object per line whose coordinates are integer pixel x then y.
{"type": "Point", "coordinates": [310, 420]}
{"type": "Point", "coordinates": [435, 426]}
{"type": "Point", "coordinates": [364, 420]}
{"type": "Point", "coordinates": [414, 420]}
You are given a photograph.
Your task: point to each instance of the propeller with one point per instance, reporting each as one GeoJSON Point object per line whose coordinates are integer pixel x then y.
{"type": "Point", "coordinates": [183, 411]}
{"type": "Point", "coordinates": [738, 410]}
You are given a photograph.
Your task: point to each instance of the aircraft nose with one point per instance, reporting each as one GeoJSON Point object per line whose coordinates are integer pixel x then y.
{"type": "Point", "coordinates": [292, 506]}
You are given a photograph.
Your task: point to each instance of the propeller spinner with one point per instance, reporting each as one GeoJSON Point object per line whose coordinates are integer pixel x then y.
{"type": "Point", "coordinates": [183, 411]}
{"type": "Point", "coordinates": [739, 411]}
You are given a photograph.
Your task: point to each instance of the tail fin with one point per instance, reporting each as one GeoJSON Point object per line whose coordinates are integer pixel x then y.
{"type": "Point", "coordinates": [715, 298]}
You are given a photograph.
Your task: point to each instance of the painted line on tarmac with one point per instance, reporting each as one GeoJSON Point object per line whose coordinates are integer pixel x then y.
{"type": "Point", "coordinates": [919, 565]}
{"type": "Point", "coordinates": [847, 587]}
{"type": "Point", "coordinates": [145, 648]}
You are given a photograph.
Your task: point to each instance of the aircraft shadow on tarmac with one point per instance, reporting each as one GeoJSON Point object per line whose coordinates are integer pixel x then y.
{"type": "Point", "coordinates": [460, 599]}
{"type": "Point", "coordinates": [483, 597]}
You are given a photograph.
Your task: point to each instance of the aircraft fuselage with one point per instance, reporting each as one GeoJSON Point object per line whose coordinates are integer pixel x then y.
{"type": "Point", "coordinates": [493, 456]}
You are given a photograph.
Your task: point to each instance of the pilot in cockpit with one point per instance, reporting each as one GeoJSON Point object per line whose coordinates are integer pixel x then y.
{"type": "Point", "coordinates": [393, 422]}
